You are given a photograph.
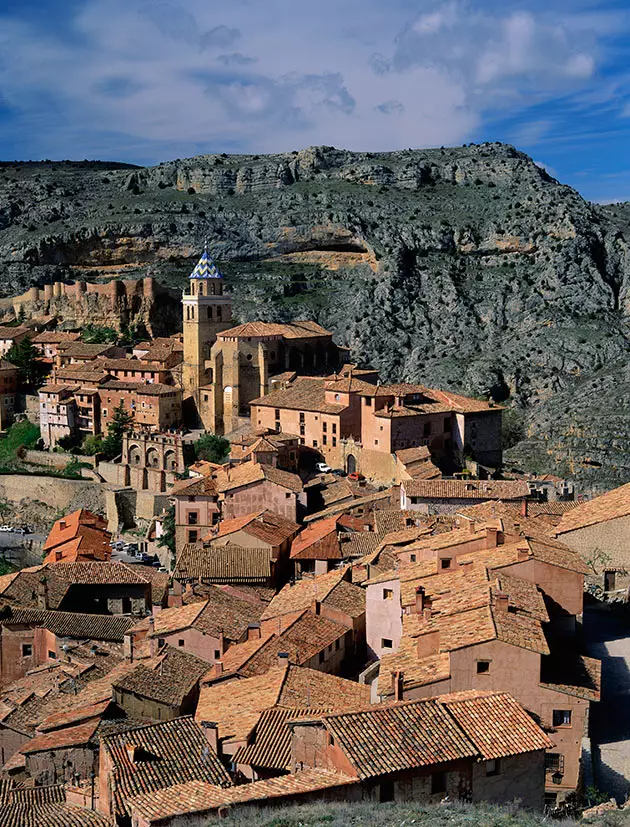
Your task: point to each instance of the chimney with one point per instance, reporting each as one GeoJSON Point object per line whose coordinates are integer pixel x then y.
{"type": "Point", "coordinates": [316, 607]}
{"type": "Point", "coordinates": [524, 507]}
{"type": "Point", "coordinates": [283, 658]}
{"type": "Point", "coordinates": [428, 644]}
{"type": "Point", "coordinates": [398, 679]}
{"type": "Point", "coordinates": [253, 631]}
{"type": "Point", "coordinates": [42, 593]}
{"type": "Point", "coordinates": [420, 601]}
{"type": "Point", "coordinates": [471, 526]}
{"type": "Point", "coordinates": [154, 643]}
{"type": "Point", "coordinates": [427, 613]}
{"type": "Point", "coordinates": [522, 554]}
{"type": "Point", "coordinates": [62, 524]}
{"type": "Point", "coordinates": [501, 601]}
{"type": "Point", "coordinates": [491, 540]}
{"type": "Point", "coordinates": [131, 752]}
{"type": "Point", "coordinates": [210, 730]}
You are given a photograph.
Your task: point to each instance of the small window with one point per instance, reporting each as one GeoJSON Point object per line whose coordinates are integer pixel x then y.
{"type": "Point", "coordinates": [561, 717]}
{"type": "Point", "coordinates": [412, 558]}
{"type": "Point", "coordinates": [376, 441]}
{"type": "Point", "coordinates": [277, 413]}
{"type": "Point", "coordinates": [287, 496]}
{"type": "Point", "coordinates": [161, 642]}
{"type": "Point", "coordinates": [386, 643]}
{"type": "Point", "coordinates": [205, 397]}
{"type": "Point", "coordinates": [217, 654]}
{"type": "Point", "coordinates": [438, 783]}
{"type": "Point", "coordinates": [334, 442]}
{"type": "Point", "coordinates": [324, 426]}
{"type": "Point", "coordinates": [334, 427]}
{"type": "Point", "coordinates": [52, 654]}
{"type": "Point", "coordinates": [483, 667]}
{"type": "Point", "coordinates": [493, 767]}
{"type": "Point", "coordinates": [181, 641]}
{"type": "Point", "coordinates": [192, 536]}
{"type": "Point", "coordinates": [321, 657]}
{"type": "Point", "coordinates": [554, 762]}
{"type": "Point", "coordinates": [445, 562]}
{"type": "Point", "coordinates": [388, 594]}
{"type": "Point", "coordinates": [27, 650]}
{"type": "Point", "coordinates": [314, 443]}
{"type": "Point", "coordinates": [193, 518]}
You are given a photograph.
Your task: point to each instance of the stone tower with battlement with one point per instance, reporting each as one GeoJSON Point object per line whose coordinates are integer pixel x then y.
{"type": "Point", "coordinates": [207, 311]}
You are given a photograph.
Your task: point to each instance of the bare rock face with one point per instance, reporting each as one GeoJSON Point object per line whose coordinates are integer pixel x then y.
{"type": "Point", "coordinates": [467, 267]}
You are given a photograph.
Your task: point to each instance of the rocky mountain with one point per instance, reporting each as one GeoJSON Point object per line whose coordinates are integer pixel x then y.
{"type": "Point", "coordinates": [468, 268]}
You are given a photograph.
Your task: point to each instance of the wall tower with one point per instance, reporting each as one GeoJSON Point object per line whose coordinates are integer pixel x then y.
{"type": "Point", "coordinates": [207, 311]}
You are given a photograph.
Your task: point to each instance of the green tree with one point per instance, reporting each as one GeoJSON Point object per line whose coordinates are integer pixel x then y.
{"type": "Point", "coordinates": [92, 445]}
{"type": "Point", "coordinates": [121, 424]}
{"type": "Point", "coordinates": [212, 448]}
{"type": "Point", "coordinates": [97, 335]}
{"type": "Point", "coordinates": [167, 539]}
{"type": "Point", "coordinates": [25, 356]}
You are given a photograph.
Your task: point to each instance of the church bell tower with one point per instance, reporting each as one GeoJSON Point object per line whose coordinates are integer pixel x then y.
{"type": "Point", "coordinates": [207, 311]}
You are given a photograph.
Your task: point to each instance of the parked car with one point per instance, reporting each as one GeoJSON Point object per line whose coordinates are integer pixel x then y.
{"type": "Point", "coordinates": [339, 472]}
{"type": "Point", "coordinates": [323, 467]}
{"type": "Point", "coordinates": [355, 476]}
{"type": "Point", "coordinates": [6, 529]}
{"type": "Point", "coordinates": [20, 530]}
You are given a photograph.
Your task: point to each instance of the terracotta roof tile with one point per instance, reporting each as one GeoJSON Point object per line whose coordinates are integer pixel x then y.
{"type": "Point", "coordinates": [300, 595]}
{"type": "Point", "coordinates": [167, 678]}
{"type": "Point", "coordinates": [317, 541]}
{"type": "Point", "coordinates": [72, 624]}
{"type": "Point", "coordinates": [198, 798]}
{"type": "Point", "coordinates": [171, 752]}
{"type": "Point", "coordinates": [294, 330]}
{"type": "Point", "coordinates": [224, 564]}
{"type": "Point", "coordinates": [466, 489]}
{"type": "Point", "coordinates": [573, 675]}
{"type": "Point", "coordinates": [70, 736]}
{"type": "Point", "coordinates": [610, 506]}
{"type": "Point", "coordinates": [302, 640]}
{"type": "Point", "coordinates": [51, 815]}
{"type": "Point", "coordinates": [303, 395]}
{"type": "Point", "coordinates": [264, 525]}
{"type": "Point", "coordinates": [65, 528]}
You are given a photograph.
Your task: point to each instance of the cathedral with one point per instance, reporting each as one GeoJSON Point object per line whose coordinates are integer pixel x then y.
{"type": "Point", "coordinates": [225, 367]}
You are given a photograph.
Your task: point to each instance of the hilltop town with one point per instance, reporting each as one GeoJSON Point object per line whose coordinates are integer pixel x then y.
{"type": "Point", "coordinates": [267, 577]}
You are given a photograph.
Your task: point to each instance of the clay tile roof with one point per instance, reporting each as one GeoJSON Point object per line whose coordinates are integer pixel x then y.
{"type": "Point", "coordinates": [420, 453]}
{"type": "Point", "coordinates": [82, 350]}
{"type": "Point", "coordinates": [224, 564]}
{"type": "Point", "coordinates": [337, 492]}
{"type": "Point", "coordinates": [317, 541]}
{"type": "Point", "coordinates": [303, 395]}
{"type": "Point", "coordinates": [101, 573]}
{"type": "Point", "coordinates": [295, 330]}
{"type": "Point", "coordinates": [204, 486]}
{"type": "Point", "coordinates": [496, 724]}
{"type": "Point", "coordinates": [610, 506]}
{"type": "Point", "coordinates": [360, 504]}
{"type": "Point", "coordinates": [51, 815]}
{"type": "Point", "coordinates": [196, 797]}
{"type": "Point", "coordinates": [167, 678]}
{"type": "Point", "coordinates": [264, 525]}
{"type": "Point", "coordinates": [300, 595]}
{"type": "Point", "coordinates": [73, 624]}
{"type": "Point", "coordinates": [53, 337]}
{"type": "Point", "coordinates": [150, 758]}
{"type": "Point", "coordinates": [466, 489]}
{"type": "Point", "coordinates": [573, 675]}
{"type": "Point", "coordinates": [71, 736]}
{"type": "Point", "coordinates": [391, 739]}
{"type": "Point", "coordinates": [251, 472]}
{"type": "Point", "coordinates": [557, 554]}
{"type": "Point", "coordinates": [271, 747]}
{"type": "Point", "coordinates": [358, 543]}
{"type": "Point", "coordinates": [302, 640]}
{"type": "Point", "coordinates": [347, 598]}
{"type": "Point", "coordinates": [12, 332]}
{"type": "Point", "coordinates": [221, 613]}
{"type": "Point", "coordinates": [74, 716]}
{"type": "Point", "coordinates": [66, 528]}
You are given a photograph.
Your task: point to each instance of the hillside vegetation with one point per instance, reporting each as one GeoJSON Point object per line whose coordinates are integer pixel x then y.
{"type": "Point", "coordinates": [469, 268]}
{"type": "Point", "coordinates": [408, 815]}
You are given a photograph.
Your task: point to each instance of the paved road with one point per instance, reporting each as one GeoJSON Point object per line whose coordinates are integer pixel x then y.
{"type": "Point", "coordinates": [608, 638]}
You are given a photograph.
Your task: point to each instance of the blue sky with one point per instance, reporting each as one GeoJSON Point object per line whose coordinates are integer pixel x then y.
{"type": "Point", "coordinates": [150, 80]}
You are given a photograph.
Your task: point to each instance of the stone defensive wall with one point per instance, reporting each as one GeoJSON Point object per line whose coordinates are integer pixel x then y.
{"type": "Point", "coordinates": [114, 303]}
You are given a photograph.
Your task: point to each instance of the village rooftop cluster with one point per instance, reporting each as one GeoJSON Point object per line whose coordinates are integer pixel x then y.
{"type": "Point", "coordinates": [356, 604]}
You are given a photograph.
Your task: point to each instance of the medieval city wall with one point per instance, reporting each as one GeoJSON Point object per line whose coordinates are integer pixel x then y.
{"type": "Point", "coordinates": [114, 304]}
{"type": "Point", "coordinates": [60, 494]}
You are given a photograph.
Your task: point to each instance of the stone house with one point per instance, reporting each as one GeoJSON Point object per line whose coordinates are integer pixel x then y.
{"type": "Point", "coordinates": [265, 446]}
{"type": "Point", "coordinates": [10, 336]}
{"type": "Point", "coordinates": [78, 537]}
{"type": "Point", "coordinates": [196, 509]}
{"type": "Point", "coordinates": [450, 496]}
{"type": "Point", "coordinates": [155, 407]}
{"type": "Point", "coordinates": [599, 530]}
{"type": "Point", "coordinates": [474, 746]}
{"type": "Point", "coordinates": [226, 565]}
{"type": "Point", "coordinates": [161, 687]}
{"type": "Point", "coordinates": [472, 629]}
{"type": "Point", "coordinates": [8, 391]}
{"type": "Point", "coordinates": [317, 549]}
{"type": "Point", "coordinates": [205, 629]}
{"type": "Point", "coordinates": [253, 486]}
{"type": "Point", "coordinates": [80, 353]}
{"type": "Point", "coordinates": [48, 341]}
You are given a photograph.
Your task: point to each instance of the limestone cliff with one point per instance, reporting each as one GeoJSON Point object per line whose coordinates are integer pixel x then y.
{"type": "Point", "coordinates": [467, 267]}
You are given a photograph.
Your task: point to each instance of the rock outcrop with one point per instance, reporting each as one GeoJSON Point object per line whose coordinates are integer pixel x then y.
{"type": "Point", "coordinates": [468, 267]}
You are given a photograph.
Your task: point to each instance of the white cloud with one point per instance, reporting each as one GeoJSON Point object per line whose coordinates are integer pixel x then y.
{"type": "Point", "coordinates": [206, 76]}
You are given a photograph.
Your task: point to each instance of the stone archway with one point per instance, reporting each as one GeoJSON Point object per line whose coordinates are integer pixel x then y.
{"type": "Point", "coordinates": [351, 464]}
{"type": "Point", "coordinates": [135, 454]}
{"type": "Point", "coordinates": [170, 463]}
{"type": "Point", "coordinates": [153, 458]}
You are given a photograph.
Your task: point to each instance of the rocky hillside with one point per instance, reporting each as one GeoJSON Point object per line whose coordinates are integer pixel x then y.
{"type": "Point", "coordinates": [468, 267]}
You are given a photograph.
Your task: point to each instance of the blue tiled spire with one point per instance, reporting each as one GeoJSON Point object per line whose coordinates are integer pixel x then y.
{"type": "Point", "coordinates": [205, 267]}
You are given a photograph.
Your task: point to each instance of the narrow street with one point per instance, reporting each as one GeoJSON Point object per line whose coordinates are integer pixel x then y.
{"type": "Point", "coordinates": [607, 637]}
